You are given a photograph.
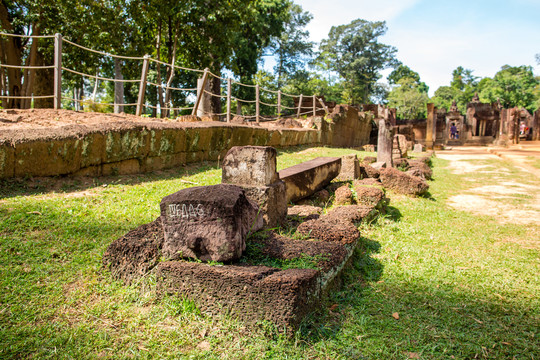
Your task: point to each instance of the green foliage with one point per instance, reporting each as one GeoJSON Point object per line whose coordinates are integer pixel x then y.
{"type": "Point", "coordinates": [515, 86]}
{"type": "Point", "coordinates": [403, 72]}
{"type": "Point", "coordinates": [292, 48]}
{"type": "Point", "coordinates": [408, 99]}
{"type": "Point", "coordinates": [444, 96]}
{"type": "Point", "coordinates": [354, 53]}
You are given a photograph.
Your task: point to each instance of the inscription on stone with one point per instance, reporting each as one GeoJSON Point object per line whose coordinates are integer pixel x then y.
{"type": "Point", "coordinates": [185, 211]}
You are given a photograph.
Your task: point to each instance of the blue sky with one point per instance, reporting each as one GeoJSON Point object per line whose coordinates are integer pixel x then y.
{"type": "Point", "coordinates": [434, 37]}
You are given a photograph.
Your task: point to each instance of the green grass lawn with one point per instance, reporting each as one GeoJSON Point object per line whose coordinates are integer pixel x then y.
{"type": "Point", "coordinates": [427, 282]}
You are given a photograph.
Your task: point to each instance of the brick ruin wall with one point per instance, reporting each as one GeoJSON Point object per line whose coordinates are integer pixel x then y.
{"type": "Point", "coordinates": [130, 148]}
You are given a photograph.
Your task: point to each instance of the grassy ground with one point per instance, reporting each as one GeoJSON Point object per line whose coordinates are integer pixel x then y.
{"type": "Point", "coordinates": [428, 282]}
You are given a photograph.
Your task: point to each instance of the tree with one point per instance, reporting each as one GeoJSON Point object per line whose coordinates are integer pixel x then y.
{"type": "Point", "coordinates": [292, 48]}
{"type": "Point", "coordinates": [444, 96]}
{"type": "Point", "coordinates": [462, 78]}
{"type": "Point", "coordinates": [515, 87]}
{"type": "Point", "coordinates": [355, 54]}
{"type": "Point", "coordinates": [409, 101]}
{"type": "Point", "coordinates": [402, 72]}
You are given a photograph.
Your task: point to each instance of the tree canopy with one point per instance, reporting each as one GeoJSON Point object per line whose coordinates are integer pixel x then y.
{"type": "Point", "coordinates": [353, 51]}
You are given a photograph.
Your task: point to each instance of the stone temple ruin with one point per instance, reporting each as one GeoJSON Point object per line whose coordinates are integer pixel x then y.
{"type": "Point", "coordinates": [483, 124]}
{"type": "Point", "coordinates": [218, 245]}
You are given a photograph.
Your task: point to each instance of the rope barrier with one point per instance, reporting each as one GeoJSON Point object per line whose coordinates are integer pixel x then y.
{"type": "Point", "coordinates": [28, 36]}
{"type": "Point", "coordinates": [245, 101]}
{"type": "Point", "coordinates": [102, 52]}
{"type": "Point", "coordinates": [274, 105]}
{"type": "Point", "coordinates": [99, 77]}
{"type": "Point", "coordinates": [175, 66]}
{"type": "Point", "coordinates": [167, 108]}
{"type": "Point", "coordinates": [170, 88]}
{"type": "Point", "coordinates": [98, 103]}
{"type": "Point", "coordinates": [214, 95]}
{"type": "Point", "coordinates": [26, 97]}
{"type": "Point", "coordinates": [26, 67]}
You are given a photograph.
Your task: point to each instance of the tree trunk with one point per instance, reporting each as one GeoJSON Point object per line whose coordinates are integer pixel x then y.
{"type": "Point", "coordinates": [29, 74]}
{"type": "Point", "coordinates": [168, 102]}
{"type": "Point", "coordinates": [12, 47]}
{"type": "Point", "coordinates": [158, 65]}
{"type": "Point", "coordinates": [43, 85]}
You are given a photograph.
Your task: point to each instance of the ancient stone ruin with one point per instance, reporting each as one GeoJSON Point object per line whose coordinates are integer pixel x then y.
{"type": "Point", "coordinates": [216, 246]}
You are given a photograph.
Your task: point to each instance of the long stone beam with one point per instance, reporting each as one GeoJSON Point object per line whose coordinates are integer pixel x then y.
{"type": "Point", "coordinates": [305, 179]}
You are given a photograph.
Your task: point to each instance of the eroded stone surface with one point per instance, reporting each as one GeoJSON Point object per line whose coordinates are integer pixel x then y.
{"type": "Point", "coordinates": [352, 213]}
{"type": "Point", "coordinates": [403, 183]}
{"type": "Point", "coordinates": [328, 230]}
{"type": "Point", "coordinates": [250, 165]}
{"type": "Point", "coordinates": [344, 196]}
{"type": "Point", "coordinates": [350, 168]}
{"type": "Point", "coordinates": [208, 223]}
{"type": "Point", "coordinates": [136, 253]}
{"type": "Point", "coordinates": [305, 179]}
{"type": "Point", "coordinates": [303, 210]}
{"type": "Point", "coordinates": [251, 293]}
{"type": "Point", "coordinates": [370, 196]}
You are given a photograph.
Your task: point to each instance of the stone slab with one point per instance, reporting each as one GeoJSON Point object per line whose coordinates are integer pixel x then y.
{"type": "Point", "coordinates": [208, 223]}
{"type": "Point", "coordinates": [250, 165]}
{"type": "Point", "coordinates": [305, 179]}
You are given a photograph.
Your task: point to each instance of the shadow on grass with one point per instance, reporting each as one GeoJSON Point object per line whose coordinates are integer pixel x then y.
{"type": "Point", "coordinates": [393, 213]}
{"type": "Point", "coordinates": [70, 184]}
{"type": "Point", "coordinates": [362, 268]}
{"type": "Point", "coordinates": [427, 195]}
{"type": "Point", "coordinates": [400, 316]}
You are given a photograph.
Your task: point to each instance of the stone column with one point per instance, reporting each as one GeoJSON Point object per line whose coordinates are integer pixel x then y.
{"type": "Point", "coordinates": [431, 124]}
{"type": "Point", "coordinates": [385, 142]}
{"type": "Point", "coordinates": [205, 107]}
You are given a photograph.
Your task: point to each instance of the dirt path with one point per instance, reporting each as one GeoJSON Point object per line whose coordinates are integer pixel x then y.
{"type": "Point", "coordinates": [508, 191]}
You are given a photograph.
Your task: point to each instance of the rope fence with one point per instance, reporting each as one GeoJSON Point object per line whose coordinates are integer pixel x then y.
{"type": "Point", "coordinates": [185, 98]}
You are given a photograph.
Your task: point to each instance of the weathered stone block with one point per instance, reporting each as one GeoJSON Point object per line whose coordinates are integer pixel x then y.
{"type": "Point", "coordinates": [305, 179]}
{"type": "Point", "coordinates": [344, 196]}
{"type": "Point", "coordinates": [250, 165]}
{"type": "Point", "coordinates": [136, 253]}
{"type": "Point", "coordinates": [418, 148]}
{"type": "Point", "coordinates": [403, 183]}
{"type": "Point", "coordinates": [329, 230]}
{"type": "Point", "coordinates": [378, 165]}
{"type": "Point", "coordinates": [272, 202]}
{"type": "Point", "coordinates": [251, 293]}
{"type": "Point", "coordinates": [350, 168]}
{"type": "Point", "coordinates": [352, 213]}
{"type": "Point", "coordinates": [370, 196]}
{"type": "Point", "coordinates": [208, 223]}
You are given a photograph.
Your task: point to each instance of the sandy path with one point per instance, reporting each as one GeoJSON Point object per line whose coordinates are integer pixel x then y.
{"type": "Point", "coordinates": [510, 198]}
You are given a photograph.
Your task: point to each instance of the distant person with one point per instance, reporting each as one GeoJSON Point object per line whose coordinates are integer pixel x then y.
{"type": "Point", "coordinates": [453, 131]}
{"type": "Point", "coordinates": [457, 135]}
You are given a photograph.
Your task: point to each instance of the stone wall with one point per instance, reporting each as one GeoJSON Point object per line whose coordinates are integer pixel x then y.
{"type": "Point", "coordinates": [347, 127]}
{"type": "Point", "coordinates": [129, 148]}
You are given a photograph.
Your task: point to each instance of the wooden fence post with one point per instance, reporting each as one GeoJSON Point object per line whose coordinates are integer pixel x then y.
{"type": "Point", "coordinates": [200, 92]}
{"type": "Point", "coordinates": [299, 106]}
{"type": "Point", "coordinates": [279, 104]}
{"type": "Point", "coordinates": [314, 105]}
{"type": "Point", "coordinates": [257, 105]}
{"type": "Point", "coordinates": [57, 71]}
{"type": "Point", "coordinates": [324, 106]}
{"type": "Point", "coordinates": [229, 87]}
{"type": "Point", "coordinates": [142, 86]}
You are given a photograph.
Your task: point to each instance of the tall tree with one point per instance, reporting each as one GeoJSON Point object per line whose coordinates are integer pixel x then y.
{"type": "Point", "coordinates": [515, 86]}
{"type": "Point", "coordinates": [409, 101]}
{"type": "Point", "coordinates": [402, 72]}
{"type": "Point", "coordinates": [292, 48]}
{"type": "Point", "coordinates": [353, 51]}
